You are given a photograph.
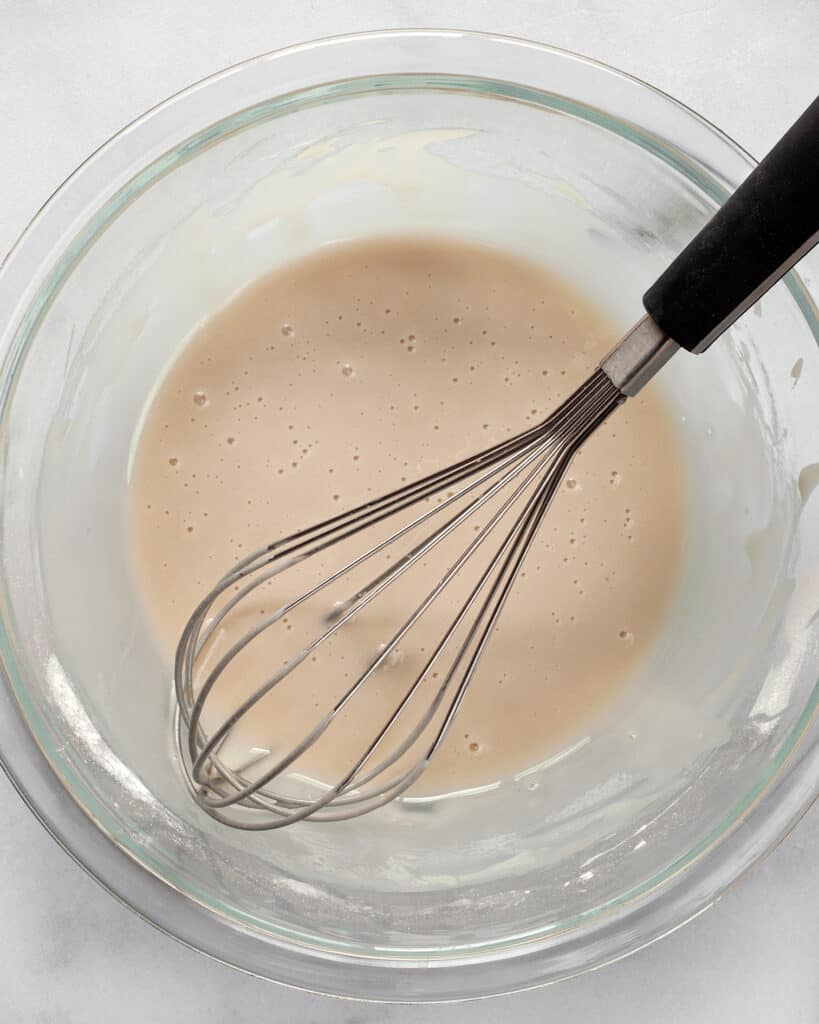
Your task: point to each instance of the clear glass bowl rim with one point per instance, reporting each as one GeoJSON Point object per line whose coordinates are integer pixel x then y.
{"type": "Point", "coordinates": [772, 808]}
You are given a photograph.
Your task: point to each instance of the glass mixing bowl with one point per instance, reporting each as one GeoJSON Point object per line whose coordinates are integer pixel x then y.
{"type": "Point", "coordinates": [638, 824]}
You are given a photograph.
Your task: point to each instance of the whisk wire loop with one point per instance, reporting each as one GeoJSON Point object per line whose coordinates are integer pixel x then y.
{"type": "Point", "coordinates": [528, 468]}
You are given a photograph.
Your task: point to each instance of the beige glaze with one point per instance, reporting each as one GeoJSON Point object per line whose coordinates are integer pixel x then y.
{"type": "Point", "coordinates": [367, 365]}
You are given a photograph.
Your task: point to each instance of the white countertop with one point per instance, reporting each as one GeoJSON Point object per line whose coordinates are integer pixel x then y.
{"type": "Point", "coordinates": [71, 74]}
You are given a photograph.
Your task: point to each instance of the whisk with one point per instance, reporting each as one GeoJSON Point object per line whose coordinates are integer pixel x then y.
{"type": "Point", "coordinates": [757, 235]}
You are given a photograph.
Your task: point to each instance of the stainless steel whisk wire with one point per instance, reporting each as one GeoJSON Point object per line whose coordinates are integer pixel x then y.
{"type": "Point", "coordinates": [545, 450]}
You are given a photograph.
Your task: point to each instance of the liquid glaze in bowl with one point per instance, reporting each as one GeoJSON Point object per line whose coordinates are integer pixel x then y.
{"type": "Point", "coordinates": [667, 797]}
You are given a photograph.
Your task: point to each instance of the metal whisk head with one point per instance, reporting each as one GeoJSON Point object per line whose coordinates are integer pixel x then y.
{"type": "Point", "coordinates": [511, 484]}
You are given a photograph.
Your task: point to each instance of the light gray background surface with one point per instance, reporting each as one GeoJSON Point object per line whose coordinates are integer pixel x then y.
{"type": "Point", "coordinates": [73, 73]}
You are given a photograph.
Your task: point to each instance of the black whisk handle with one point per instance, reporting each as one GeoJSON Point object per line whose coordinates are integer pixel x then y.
{"type": "Point", "coordinates": [759, 233]}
